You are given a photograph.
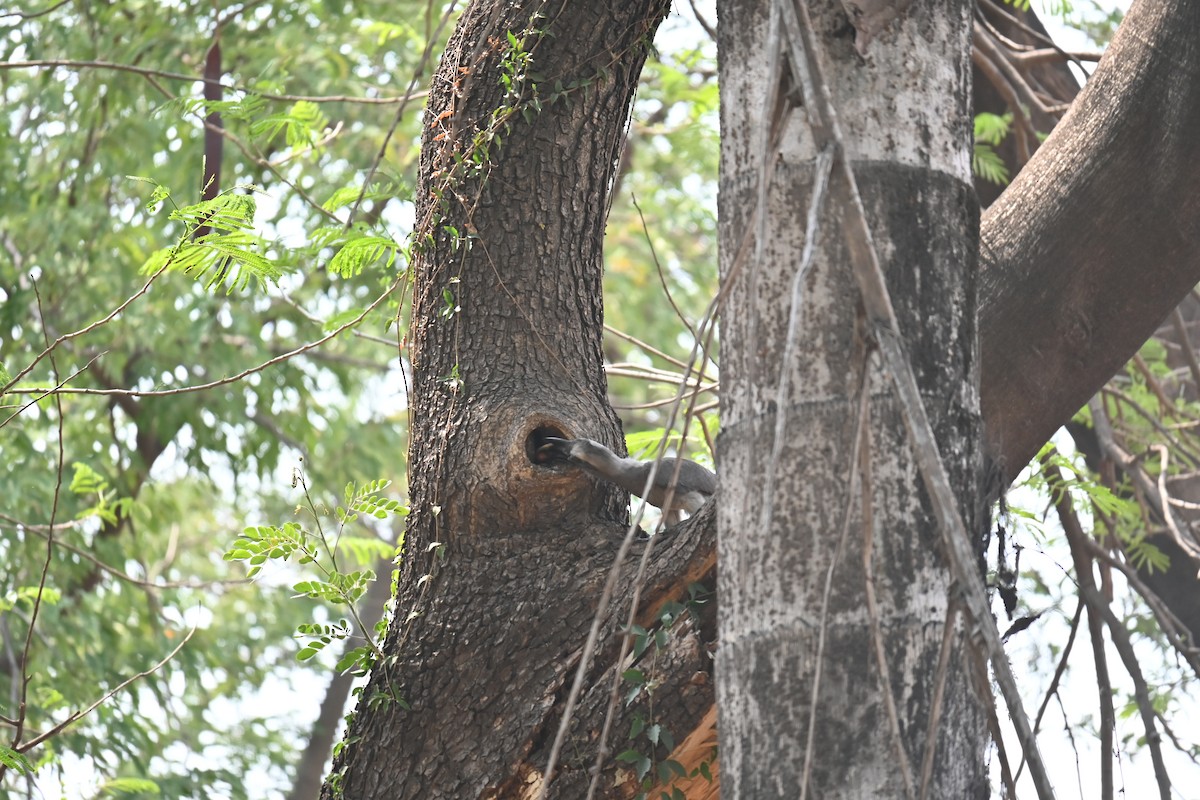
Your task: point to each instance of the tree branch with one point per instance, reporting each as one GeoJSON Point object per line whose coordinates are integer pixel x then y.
{"type": "Point", "coordinates": [1114, 185]}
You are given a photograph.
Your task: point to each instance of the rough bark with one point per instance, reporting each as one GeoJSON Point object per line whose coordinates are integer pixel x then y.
{"type": "Point", "coordinates": [505, 557]}
{"type": "Point", "coordinates": [1095, 241]}
{"type": "Point", "coordinates": [310, 769]}
{"type": "Point", "coordinates": [907, 105]}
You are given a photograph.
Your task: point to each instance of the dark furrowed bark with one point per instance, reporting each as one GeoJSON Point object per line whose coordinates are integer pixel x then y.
{"type": "Point", "coordinates": [505, 556]}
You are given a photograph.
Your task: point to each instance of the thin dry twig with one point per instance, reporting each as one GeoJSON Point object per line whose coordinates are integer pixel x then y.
{"type": "Point", "coordinates": [1023, 130]}
{"type": "Point", "coordinates": [939, 689]}
{"type": "Point", "coordinates": [1071, 740]}
{"type": "Point", "coordinates": [1032, 58]}
{"type": "Point", "coordinates": [41, 394]}
{"type": "Point", "coordinates": [1155, 385]}
{"type": "Point", "coordinates": [700, 350]}
{"type": "Point", "coordinates": [704, 23]}
{"type": "Point", "coordinates": [881, 664]}
{"type": "Point", "coordinates": [699, 409]}
{"type": "Point", "coordinates": [1189, 351]}
{"type": "Point", "coordinates": [822, 170]}
{"type": "Point", "coordinates": [1178, 634]}
{"type": "Point", "coordinates": [860, 441]}
{"type": "Point", "coordinates": [34, 14]}
{"type": "Point", "coordinates": [1141, 691]}
{"type": "Point", "coordinates": [26, 678]}
{"type": "Point", "coordinates": [1189, 751]}
{"type": "Point", "coordinates": [662, 278]}
{"type": "Point", "coordinates": [978, 668]}
{"type": "Point", "coordinates": [66, 337]}
{"type": "Point", "coordinates": [652, 375]}
{"type": "Point", "coordinates": [409, 94]}
{"type": "Point", "coordinates": [1164, 497]}
{"type": "Point", "coordinates": [78, 715]}
{"type": "Point", "coordinates": [45, 532]}
{"type": "Point", "coordinates": [1142, 482]}
{"type": "Point", "coordinates": [179, 76]}
{"type": "Point", "coordinates": [648, 348]}
{"type": "Point", "coordinates": [1059, 671]}
{"type": "Point", "coordinates": [1154, 422]}
{"type": "Point", "coordinates": [1084, 575]}
{"type": "Point", "coordinates": [223, 381]}
{"type": "Point", "coordinates": [1023, 26]}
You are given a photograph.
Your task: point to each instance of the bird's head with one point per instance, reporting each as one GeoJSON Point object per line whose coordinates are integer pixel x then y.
{"type": "Point", "coordinates": [577, 451]}
{"type": "Point", "coordinates": [552, 450]}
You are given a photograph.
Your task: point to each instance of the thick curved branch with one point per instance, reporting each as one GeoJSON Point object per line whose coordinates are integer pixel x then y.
{"type": "Point", "coordinates": [1094, 243]}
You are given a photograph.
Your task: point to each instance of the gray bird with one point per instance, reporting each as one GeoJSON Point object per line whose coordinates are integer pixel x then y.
{"type": "Point", "coordinates": [693, 487]}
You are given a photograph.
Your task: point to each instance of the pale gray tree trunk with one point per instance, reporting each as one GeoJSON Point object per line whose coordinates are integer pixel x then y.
{"type": "Point", "coordinates": [905, 110]}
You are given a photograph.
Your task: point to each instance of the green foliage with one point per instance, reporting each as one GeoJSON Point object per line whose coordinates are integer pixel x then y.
{"type": "Point", "coordinates": [1093, 500]}
{"type": "Point", "coordinates": [334, 585]}
{"type": "Point", "coordinates": [228, 244]}
{"type": "Point", "coordinates": [1097, 22]}
{"type": "Point", "coordinates": [26, 597]}
{"type": "Point", "coordinates": [649, 740]}
{"type": "Point", "coordinates": [148, 483]}
{"type": "Point", "coordinates": [129, 787]}
{"type": "Point", "coordinates": [108, 508]}
{"type": "Point", "coordinates": [357, 254]}
{"type": "Point", "coordinates": [302, 125]}
{"type": "Point", "coordinates": [514, 66]}
{"type": "Point", "coordinates": [990, 131]}
{"type": "Point", "coordinates": [1056, 8]}
{"type": "Point", "coordinates": [304, 237]}
{"type": "Point", "coordinates": [14, 760]}
{"type": "Point", "coordinates": [662, 230]}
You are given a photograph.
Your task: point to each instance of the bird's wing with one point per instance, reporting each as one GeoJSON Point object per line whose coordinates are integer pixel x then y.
{"type": "Point", "coordinates": [695, 477]}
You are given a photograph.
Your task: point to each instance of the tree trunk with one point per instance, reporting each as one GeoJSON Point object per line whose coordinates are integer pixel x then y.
{"type": "Point", "coordinates": [504, 557]}
{"type": "Point", "coordinates": [798, 684]}
{"type": "Point", "coordinates": [310, 769]}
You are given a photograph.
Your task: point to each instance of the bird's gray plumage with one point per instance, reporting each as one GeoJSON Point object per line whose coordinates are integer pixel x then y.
{"type": "Point", "coordinates": [693, 487]}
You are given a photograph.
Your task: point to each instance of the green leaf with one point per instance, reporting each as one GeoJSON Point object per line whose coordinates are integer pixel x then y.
{"type": "Point", "coordinates": [122, 786]}
{"type": "Point", "coordinates": [14, 760]}
{"type": "Point", "coordinates": [229, 212]}
{"type": "Point", "coordinates": [309, 650]}
{"type": "Point", "coordinates": [638, 725]}
{"type": "Point", "coordinates": [988, 164]}
{"type": "Point", "coordinates": [991, 129]}
{"type": "Point", "coordinates": [360, 659]}
{"type": "Point", "coordinates": [357, 254]}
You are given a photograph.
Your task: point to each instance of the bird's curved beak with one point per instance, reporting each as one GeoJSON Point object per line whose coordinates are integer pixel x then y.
{"type": "Point", "coordinates": [551, 450]}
